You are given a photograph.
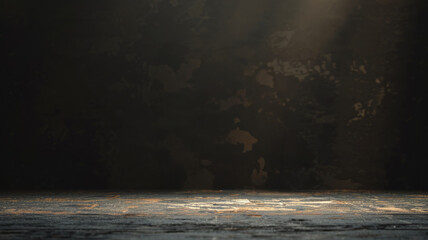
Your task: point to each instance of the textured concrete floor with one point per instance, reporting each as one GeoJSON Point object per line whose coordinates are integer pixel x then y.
{"type": "Point", "coordinates": [214, 215]}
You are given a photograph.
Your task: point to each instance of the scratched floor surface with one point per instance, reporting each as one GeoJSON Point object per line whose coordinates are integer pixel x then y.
{"type": "Point", "coordinates": [214, 215]}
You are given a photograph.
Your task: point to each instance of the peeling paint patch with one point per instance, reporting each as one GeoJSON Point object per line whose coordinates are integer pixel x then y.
{"type": "Point", "coordinates": [286, 68]}
{"type": "Point", "coordinates": [359, 108]}
{"type": "Point", "coordinates": [280, 40]}
{"type": "Point", "coordinates": [379, 99]}
{"type": "Point", "coordinates": [259, 176]}
{"type": "Point", "coordinates": [174, 81]}
{"type": "Point", "coordinates": [372, 106]}
{"type": "Point", "coordinates": [239, 99]}
{"type": "Point", "coordinates": [361, 112]}
{"type": "Point", "coordinates": [363, 69]}
{"type": "Point", "coordinates": [238, 136]}
{"type": "Point", "coordinates": [264, 78]}
{"type": "Point", "coordinates": [317, 68]}
{"type": "Point", "coordinates": [359, 69]}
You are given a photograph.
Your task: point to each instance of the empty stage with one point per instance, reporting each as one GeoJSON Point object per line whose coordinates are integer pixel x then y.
{"type": "Point", "coordinates": [214, 215]}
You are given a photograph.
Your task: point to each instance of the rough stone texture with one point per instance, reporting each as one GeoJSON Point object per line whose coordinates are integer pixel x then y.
{"type": "Point", "coordinates": [192, 93]}
{"type": "Point", "coordinates": [214, 215]}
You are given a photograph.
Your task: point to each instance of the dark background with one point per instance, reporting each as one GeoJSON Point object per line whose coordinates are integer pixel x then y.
{"type": "Point", "coordinates": [186, 94]}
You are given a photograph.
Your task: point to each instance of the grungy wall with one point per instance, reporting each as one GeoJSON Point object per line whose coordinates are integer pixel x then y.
{"type": "Point", "coordinates": [158, 94]}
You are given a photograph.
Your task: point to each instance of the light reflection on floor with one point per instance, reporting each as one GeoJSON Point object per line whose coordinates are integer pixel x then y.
{"type": "Point", "coordinates": [214, 214]}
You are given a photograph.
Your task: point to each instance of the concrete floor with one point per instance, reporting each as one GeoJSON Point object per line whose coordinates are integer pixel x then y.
{"type": "Point", "coordinates": [214, 215]}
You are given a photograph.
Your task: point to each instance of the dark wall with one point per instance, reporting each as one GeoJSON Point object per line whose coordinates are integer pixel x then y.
{"type": "Point", "coordinates": [156, 94]}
